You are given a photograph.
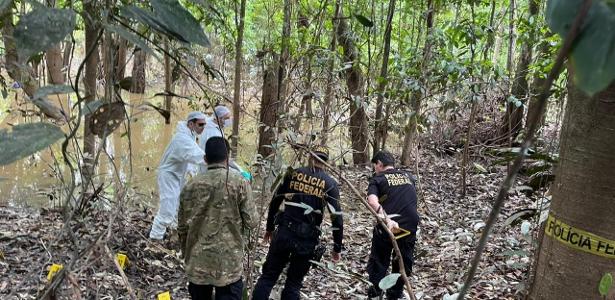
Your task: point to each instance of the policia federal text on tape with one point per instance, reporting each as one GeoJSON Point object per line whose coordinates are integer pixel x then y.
{"type": "Point", "coordinates": [308, 190]}
{"type": "Point", "coordinates": [391, 192]}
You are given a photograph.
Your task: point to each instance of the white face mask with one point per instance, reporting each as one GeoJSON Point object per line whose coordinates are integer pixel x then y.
{"type": "Point", "coordinates": [228, 123]}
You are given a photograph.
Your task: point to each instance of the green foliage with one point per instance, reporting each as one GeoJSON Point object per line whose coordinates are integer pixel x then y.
{"type": "Point", "coordinates": [388, 281]}
{"type": "Point", "coordinates": [26, 139]}
{"type": "Point", "coordinates": [593, 55]}
{"type": "Point", "coordinates": [170, 19]}
{"type": "Point", "coordinates": [605, 284]}
{"type": "Point", "coordinates": [41, 29]}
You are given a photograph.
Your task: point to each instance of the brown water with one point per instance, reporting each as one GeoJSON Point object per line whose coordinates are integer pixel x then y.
{"type": "Point", "coordinates": [34, 180]}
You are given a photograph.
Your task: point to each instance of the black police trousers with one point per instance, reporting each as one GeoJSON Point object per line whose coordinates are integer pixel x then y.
{"type": "Point", "coordinates": [286, 248]}
{"type": "Point", "coordinates": [380, 258]}
{"type": "Point", "coordinates": [233, 291]}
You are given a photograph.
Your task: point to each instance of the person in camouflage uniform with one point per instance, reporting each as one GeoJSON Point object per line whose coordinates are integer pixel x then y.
{"type": "Point", "coordinates": [216, 213]}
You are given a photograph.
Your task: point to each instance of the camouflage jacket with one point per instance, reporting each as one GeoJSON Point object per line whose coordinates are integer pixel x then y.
{"type": "Point", "coordinates": [215, 217]}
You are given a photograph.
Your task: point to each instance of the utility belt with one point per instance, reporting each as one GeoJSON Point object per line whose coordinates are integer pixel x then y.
{"type": "Point", "coordinates": [299, 228]}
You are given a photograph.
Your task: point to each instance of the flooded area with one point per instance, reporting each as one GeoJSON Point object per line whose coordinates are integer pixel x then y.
{"type": "Point", "coordinates": [135, 151]}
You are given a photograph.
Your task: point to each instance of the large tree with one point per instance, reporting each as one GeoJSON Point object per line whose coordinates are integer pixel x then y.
{"type": "Point", "coordinates": [582, 198]}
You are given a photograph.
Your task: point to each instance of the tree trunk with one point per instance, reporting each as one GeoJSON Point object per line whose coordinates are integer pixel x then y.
{"type": "Point", "coordinates": [66, 56]}
{"type": "Point", "coordinates": [582, 198]}
{"type": "Point", "coordinates": [138, 71]}
{"type": "Point", "coordinates": [354, 81]}
{"type": "Point", "coordinates": [411, 129]}
{"type": "Point", "coordinates": [17, 71]}
{"type": "Point", "coordinates": [89, 82]}
{"type": "Point", "coordinates": [513, 119]}
{"type": "Point", "coordinates": [307, 94]}
{"type": "Point", "coordinates": [239, 20]}
{"type": "Point", "coordinates": [284, 56]}
{"type": "Point", "coordinates": [539, 79]}
{"type": "Point", "coordinates": [326, 110]}
{"type": "Point", "coordinates": [269, 111]}
{"type": "Point", "coordinates": [54, 60]}
{"type": "Point", "coordinates": [380, 131]}
{"type": "Point", "coordinates": [119, 69]}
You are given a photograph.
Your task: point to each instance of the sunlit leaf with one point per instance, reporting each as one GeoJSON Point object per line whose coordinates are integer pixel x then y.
{"type": "Point", "coordinates": [364, 21]}
{"type": "Point", "coordinates": [26, 139]}
{"type": "Point", "coordinates": [593, 55]}
{"type": "Point", "coordinates": [605, 284]}
{"type": "Point", "coordinates": [388, 281]}
{"type": "Point", "coordinates": [42, 28]}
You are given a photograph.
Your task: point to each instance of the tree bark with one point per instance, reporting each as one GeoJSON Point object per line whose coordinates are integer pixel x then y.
{"type": "Point", "coordinates": [539, 79]}
{"type": "Point", "coordinates": [354, 81]}
{"type": "Point", "coordinates": [284, 57]}
{"type": "Point", "coordinates": [582, 198]}
{"type": "Point", "coordinates": [54, 60]}
{"type": "Point", "coordinates": [89, 82]}
{"type": "Point", "coordinates": [269, 111]}
{"type": "Point", "coordinates": [22, 73]}
{"type": "Point", "coordinates": [411, 129]}
{"type": "Point", "coordinates": [239, 20]}
{"type": "Point", "coordinates": [326, 110]}
{"type": "Point", "coordinates": [168, 83]}
{"type": "Point", "coordinates": [138, 71]}
{"type": "Point", "coordinates": [380, 131]}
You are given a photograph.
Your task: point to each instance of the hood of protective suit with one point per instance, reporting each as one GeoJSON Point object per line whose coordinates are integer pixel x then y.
{"type": "Point", "coordinates": [182, 150]}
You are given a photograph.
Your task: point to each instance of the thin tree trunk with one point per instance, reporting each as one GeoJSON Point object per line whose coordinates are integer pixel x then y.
{"type": "Point", "coordinates": [307, 94]}
{"type": "Point", "coordinates": [53, 57]}
{"type": "Point", "coordinates": [582, 199]}
{"type": "Point", "coordinates": [284, 57]}
{"type": "Point", "coordinates": [237, 80]}
{"type": "Point", "coordinates": [269, 111]}
{"type": "Point", "coordinates": [354, 81]}
{"type": "Point", "coordinates": [538, 80]}
{"type": "Point", "coordinates": [382, 83]}
{"type": "Point", "coordinates": [326, 113]}
{"type": "Point", "coordinates": [138, 71]}
{"type": "Point", "coordinates": [411, 129]}
{"type": "Point", "coordinates": [68, 49]}
{"type": "Point", "coordinates": [89, 82]}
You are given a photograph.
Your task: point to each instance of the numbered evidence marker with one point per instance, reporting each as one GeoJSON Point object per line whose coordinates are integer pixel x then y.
{"type": "Point", "coordinates": [164, 296]}
{"type": "Point", "coordinates": [53, 270]}
{"type": "Point", "coordinates": [122, 260]}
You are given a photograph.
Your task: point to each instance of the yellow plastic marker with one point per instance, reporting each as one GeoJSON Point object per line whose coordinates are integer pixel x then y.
{"type": "Point", "coordinates": [122, 260]}
{"type": "Point", "coordinates": [55, 268]}
{"type": "Point", "coordinates": [401, 235]}
{"type": "Point", "coordinates": [164, 296]}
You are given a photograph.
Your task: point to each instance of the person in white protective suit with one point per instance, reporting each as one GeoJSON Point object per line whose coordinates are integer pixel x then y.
{"type": "Point", "coordinates": [182, 150]}
{"type": "Point", "coordinates": [221, 119]}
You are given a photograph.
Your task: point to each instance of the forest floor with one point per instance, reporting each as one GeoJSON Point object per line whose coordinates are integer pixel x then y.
{"type": "Point", "coordinates": [32, 239]}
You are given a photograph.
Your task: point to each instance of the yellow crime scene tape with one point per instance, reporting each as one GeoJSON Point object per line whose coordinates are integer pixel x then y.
{"type": "Point", "coordinates": [403, 234]}
{"type": "Point", "coordinates": [164, 296]}
{"type": "Point", "coordinates": [578, 239]}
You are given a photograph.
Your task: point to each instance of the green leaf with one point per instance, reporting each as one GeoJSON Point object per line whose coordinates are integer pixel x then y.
{"type": "Point", "coordinates": [45, 91]}
{"type": "Point", "coordinates": [605, 284]}
{"type": "Point", "coordinates": [26, 139]}
{"type": "Point", "coordinates": [388, 281]}
{"type": "Point", "coordinates": [133, 38]}
{"type": "Point", "coordinates": [42, 28]}
{"type": "Point", "coordinates": [91, 107]}
{"type": "Point", "coordinates": [180, 20]}
{"type": "Point", "coordinates": [364, 21]}
{"type": "Point", "coordinates": [593, 55]}
{"type": "Point", "coordinates": [4, 4]}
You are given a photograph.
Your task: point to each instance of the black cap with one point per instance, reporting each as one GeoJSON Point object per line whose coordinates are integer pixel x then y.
{"type": "Point", "coordinates": [216, 150]}
{"type": "Point", "coordinates": [322, 152]}
{"type": "Point", "coordinates": [385, 157]}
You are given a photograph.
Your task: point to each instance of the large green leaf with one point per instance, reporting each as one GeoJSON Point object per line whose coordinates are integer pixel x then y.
{"type": "Point", "coordinates": [388, 281]}
{"type": "Point", "coordinates": [605, 284]}
{"type": "Point", "coordinates": [133, 38]}
{"type": "Point", "coordinates": [364, 20]}
{"type": "Point", "coordinates": [42, 28]}
{"type": "Point", "coordinates": [45, 91]}
{"type": "Point", "coordinates": [26, 139]}
{"type": "Point", "coordinates": [171, 19]}
{"type": "Point", "coordinates": [180, 20]}
{"type": "Point", "coordinates": [593, 55]}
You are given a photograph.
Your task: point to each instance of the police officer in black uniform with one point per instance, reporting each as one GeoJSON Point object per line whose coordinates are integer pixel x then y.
{"type": "Point", "coordinates": [391, 193]}
{"type": "Point", "coordinates": [306, 191]}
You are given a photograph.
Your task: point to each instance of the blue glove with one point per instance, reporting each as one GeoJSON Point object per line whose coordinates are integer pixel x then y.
{"type": "Point", "coordinates": [246, 175]}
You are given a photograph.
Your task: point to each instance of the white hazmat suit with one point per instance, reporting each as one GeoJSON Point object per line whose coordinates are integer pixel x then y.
{"type": "Point", "coordinates": [182, 150]}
